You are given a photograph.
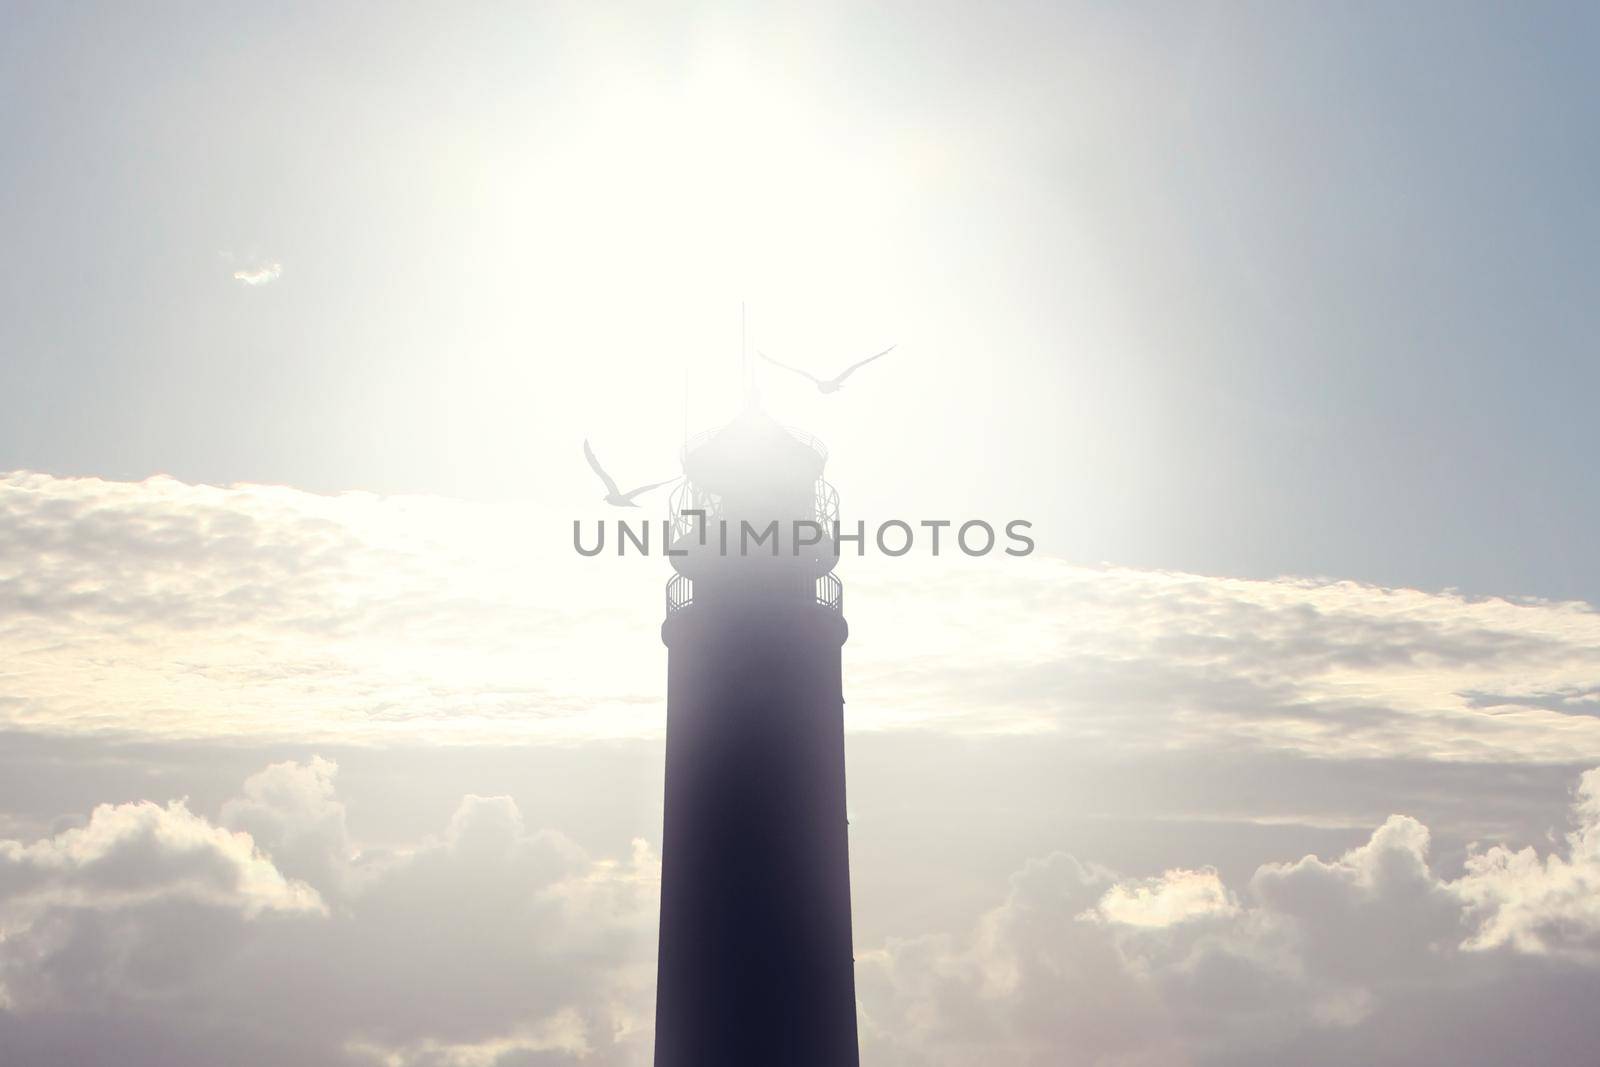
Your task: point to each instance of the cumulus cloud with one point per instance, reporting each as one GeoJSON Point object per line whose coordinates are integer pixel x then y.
{"type": "Point", "coordinates": [1541, 905]}
{"type": "Point", "coordinates": [129, 854]}
{"type": "Point", "coordinates": [260, 274]}
{"type": "Point", "coordinates": [117, 900]}
{"type": "Point", "coordinates": [486, 944]}
{"type": "Point", "coordinates": [162, 933]}
{"type": "Point", "coordinates": [1176, 896]}
{"type": "Point", "coordinates": [291, 810]}
{"type": "Point", "coordinates": [1355, 959]}
{"type": "Point", "coordinates": [178, 610]}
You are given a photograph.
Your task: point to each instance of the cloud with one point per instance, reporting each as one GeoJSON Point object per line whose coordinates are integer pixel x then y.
{"type": "Point", "coordinates": [1356, 959]}
{"type": "Point", "coordinates": [175, 610]}
{"type": "Point", "coordinates": [1175, 897]}
{"type": "Point", "coordinates": [131, 854]}
{"type": "Point", "coordinates": [260, 611]}
{"type": "Point", "coordinates": [1541, 905]}
{"type": "Point", "coordinates": [486, 944]}
{"type": "Point", "coordinates": [563, 1036]}
{"type": "Point", "coordinates": [290, 809]}
{"type": "Point", "coordinates": [261, 274]}
{"type": "Point", "coordinates": [155, 930]}
{"type": "Point", "coordinates": [141, 897]}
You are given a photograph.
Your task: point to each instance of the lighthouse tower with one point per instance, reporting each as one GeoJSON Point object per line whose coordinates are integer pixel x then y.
{"type": "Point", "coordinates": [755, 966]}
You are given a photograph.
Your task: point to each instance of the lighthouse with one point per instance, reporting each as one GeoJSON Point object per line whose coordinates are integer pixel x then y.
{"type": "Point", "coordinates": [755, 964]}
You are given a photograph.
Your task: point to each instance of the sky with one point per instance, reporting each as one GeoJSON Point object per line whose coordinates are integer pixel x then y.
{"type": "Point", "coordinates": [319, 744]}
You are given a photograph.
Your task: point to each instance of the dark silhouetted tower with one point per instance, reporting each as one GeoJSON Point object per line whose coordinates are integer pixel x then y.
{"type": "Point", "coordinates": [755, 967]}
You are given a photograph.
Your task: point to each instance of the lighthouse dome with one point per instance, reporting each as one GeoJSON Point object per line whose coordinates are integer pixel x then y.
{"type": "Point", "coordinates": [752, 457]}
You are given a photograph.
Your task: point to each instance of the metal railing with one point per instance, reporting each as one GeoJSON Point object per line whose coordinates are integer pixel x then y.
{"type": "Point", "coordinates": [680, 593]}
{"type": "Point", "coordinates": [826, 506]}
{"type": "Point", "coordinates": [829, 593]}
{"type": "Point", "coordinates": [810, 441]}
{"type": "Point", "coordinates": [690, 497]}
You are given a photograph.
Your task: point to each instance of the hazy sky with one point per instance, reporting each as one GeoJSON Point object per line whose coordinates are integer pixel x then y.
{"type": "Point", "coordinates": [1237, 289]}
{"type": "Point", "coordinates": [1278, 321]}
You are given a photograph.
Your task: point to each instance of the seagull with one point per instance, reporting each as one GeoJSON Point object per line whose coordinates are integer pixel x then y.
{"type": "Point", "coordinates": [832, 384]}
{"type": "Point", "coordinates": [615, 496]}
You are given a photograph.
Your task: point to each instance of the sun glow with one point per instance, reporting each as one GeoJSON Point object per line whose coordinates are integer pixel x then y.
{"type": "Point", "coordinates": [619, 244]}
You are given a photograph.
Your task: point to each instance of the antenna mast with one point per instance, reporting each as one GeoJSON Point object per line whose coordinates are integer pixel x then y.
{"type": "Point", "coordinates": [751, 402]}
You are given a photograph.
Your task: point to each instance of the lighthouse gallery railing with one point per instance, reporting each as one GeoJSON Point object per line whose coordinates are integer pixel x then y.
{"type": "Point", "coordinates": [688, 497]}
{"type": "Point", "coordinates": [829, 593]}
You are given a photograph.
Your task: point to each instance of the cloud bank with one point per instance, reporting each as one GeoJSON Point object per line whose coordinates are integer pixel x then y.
{"type": "Point", "coordinates": [174, 610]}
{"type": "Point", "coordinates": [1371, 957]}
{"type": "Point", "coordinates": [263, 933]}
{"type": "Point", "coordinates": [261, 929]}
{"type": "Point", "coordinates": [163, 936]}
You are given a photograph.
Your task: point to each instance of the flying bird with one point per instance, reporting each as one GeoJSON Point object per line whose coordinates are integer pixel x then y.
{"type": "Point", "coordinates": [831, 385]}
{"type": "Point", "coordinates": [615, 496]}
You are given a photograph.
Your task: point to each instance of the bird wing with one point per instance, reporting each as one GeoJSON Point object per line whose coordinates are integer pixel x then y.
{"type": "Point", "coordinates": [857, 366]}
{"type": "Point", "coordinates": [792, 370]}
{"type": "Point", "coordinates": [646, 488]}
{"type": "Point", "coordinates": [588, 454]}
